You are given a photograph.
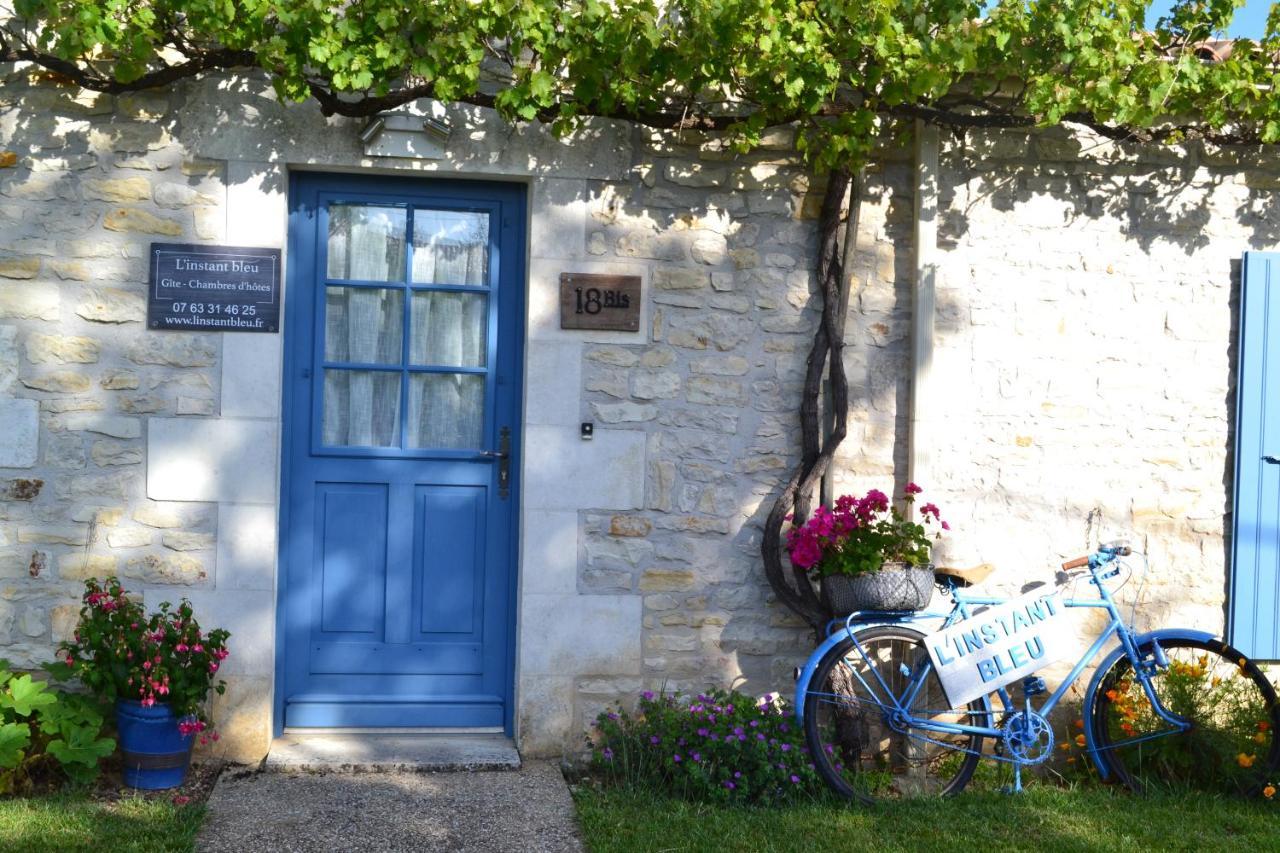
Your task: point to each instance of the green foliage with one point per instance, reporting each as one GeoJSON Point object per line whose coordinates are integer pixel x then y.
{"type": "Point", "coordinates": [121, 652]}
{"type": "Point", "coordinates": [722, 746]}
{"type": "Point", "coordinates": [851, 72]}
{"type": "Point", "coordinates": [44, 729]}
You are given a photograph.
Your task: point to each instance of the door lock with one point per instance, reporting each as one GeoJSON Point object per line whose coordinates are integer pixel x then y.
{"type": "Point", "coordinates": [503, 455]}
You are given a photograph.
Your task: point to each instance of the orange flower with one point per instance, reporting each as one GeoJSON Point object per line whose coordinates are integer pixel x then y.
{"type": "Point", "coordinates": [1113, 695]}
{"type": "Point", "coordinates": [1263, 726]}
{"type": "Point", "coordinates": [1080, 725]}
{"type": "Point", "coordinates": [1245, 760]}
{"type": "Point", "coordinates": [1260, 738]}
{"type": "Point", "coordinates": [1071, 760]}
{"type": "Point", "coordinates": [1080, 740]}
{"type": "Point", "coordinates": [1243, 663]}
{"type": "Point", "coordinates": [1269, 791]}
{"type": "Point", "coordinates": [1064, 746]}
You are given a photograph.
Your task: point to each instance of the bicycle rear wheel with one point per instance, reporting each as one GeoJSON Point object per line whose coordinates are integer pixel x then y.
{"type": "Point", "coordinates": [1231, 746]}
{"type": "Point", "coordinates": [853, 745]}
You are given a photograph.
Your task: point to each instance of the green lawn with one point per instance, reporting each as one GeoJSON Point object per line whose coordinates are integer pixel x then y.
{"type": "Point", "coordinates": [68, 822]}
{"type": "Point", "coordinates": [1043, 819]}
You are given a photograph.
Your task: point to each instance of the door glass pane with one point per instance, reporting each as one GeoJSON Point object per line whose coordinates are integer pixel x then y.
{"type": "Point", "coordinates": [361, 408]}
{"type": "Point", "coordinates": [363, 324]}
{"type": "Point", "coordinates": [366, 242]}
{"type": "Point", "coordinates": [446, 410]}
{"type": "Point", "coordinates": [448, 329]}
{"type": "Point", "coordinates": [450, 247]}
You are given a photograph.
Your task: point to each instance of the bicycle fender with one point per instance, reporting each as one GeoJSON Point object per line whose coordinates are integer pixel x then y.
{"type": "Point", "coordinates": [1098, 758]}
{"type": "Point", "coordinates": [810, 665]}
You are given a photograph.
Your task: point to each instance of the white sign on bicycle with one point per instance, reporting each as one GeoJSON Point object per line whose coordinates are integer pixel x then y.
{"type": "Point", "coordinates": [1000, 645]}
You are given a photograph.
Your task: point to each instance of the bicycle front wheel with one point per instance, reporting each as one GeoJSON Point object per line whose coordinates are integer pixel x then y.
{"type": "Point", "coordinates": [1229, 744]}
{"type": "Point", "coordinates": [855, 745]}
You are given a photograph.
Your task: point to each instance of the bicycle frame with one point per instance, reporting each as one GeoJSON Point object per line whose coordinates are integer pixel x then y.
{"type": "Point", "coordinates": [897, 707]}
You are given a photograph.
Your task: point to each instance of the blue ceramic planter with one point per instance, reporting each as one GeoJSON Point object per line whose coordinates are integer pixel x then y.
{"type": "Point", "coordinates": [155, 754]}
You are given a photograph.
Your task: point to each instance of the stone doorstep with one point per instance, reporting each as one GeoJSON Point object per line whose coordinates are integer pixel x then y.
{"type": "Point", "coordinates": [384, 753]}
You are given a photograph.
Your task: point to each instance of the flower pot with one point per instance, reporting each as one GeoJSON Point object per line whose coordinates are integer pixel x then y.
{"type": "Point", "coordinates": [897, 586]}
{"type": "Point", "coordinates": [155, 754]}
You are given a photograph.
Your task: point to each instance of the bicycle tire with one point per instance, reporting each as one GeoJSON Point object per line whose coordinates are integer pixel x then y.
{"type": "Point", "coordinates": [1232, 746]}
{"type": "Point", "coordinates": [847, 732]}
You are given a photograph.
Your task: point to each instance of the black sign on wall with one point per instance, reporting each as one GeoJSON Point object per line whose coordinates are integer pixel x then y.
{"type": "Point", "coordinates": [213, 289]}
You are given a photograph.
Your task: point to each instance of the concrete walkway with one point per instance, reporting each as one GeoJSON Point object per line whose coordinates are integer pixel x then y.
{"type": "Point", "coordinates": [526, 810]}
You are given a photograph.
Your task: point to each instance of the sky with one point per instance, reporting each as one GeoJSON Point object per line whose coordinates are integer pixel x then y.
{"type": "Point", "coordinates": [1249, 22]}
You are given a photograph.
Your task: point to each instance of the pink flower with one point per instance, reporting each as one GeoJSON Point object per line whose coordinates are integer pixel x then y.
{"type": "Point", "coordinates": [181, 647]}
{"type": "Point", "coordinates": [181, 800]}
{"type": "Point", "coordinates": [213, 666]}
{"type": "Point", "coordinates": [197, 648]}
{"type": "Point", "coordinates": [946, 526]}
{"type": "Point", "coordinates": [146, 664]}
{"type": "Point", "coordinates": [913, 489]}
{"type": "Point", "coordinates": [930, 509]}
{"type": "Point", "coordinates": [806, 553]}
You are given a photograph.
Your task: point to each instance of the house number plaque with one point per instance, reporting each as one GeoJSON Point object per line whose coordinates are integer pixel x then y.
{"type": "Point", "coordinates": [600, 302]}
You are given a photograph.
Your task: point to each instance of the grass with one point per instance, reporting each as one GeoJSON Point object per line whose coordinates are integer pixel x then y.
{"type": "Point", "coordinates": [1044, 818]}
{"type": "Point", "coordinates": [70, 821]}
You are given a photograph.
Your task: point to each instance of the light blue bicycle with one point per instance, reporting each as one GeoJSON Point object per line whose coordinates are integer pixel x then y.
{"type": "Point", "coordinates": [1172, 707]}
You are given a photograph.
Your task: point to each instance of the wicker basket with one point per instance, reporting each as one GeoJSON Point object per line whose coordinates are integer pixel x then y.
{"type": "Point", "coordinates": [897, 586]}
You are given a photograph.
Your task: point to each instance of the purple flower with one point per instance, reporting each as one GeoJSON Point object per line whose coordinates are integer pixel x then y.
{"type": "Point", "coordinates": [702, 733]}
{"type": "Point", "coordinates": [759, 737]}
{"type": "Point", "coordinates": [697, 756]}
{"type": "Point", "coordinates": [795, 779]}
{"type": "Point", "coordinates": [742, 737]}
{"type": "Point", "coordinates": [786, 747]}
{"type": "Point", "coordinates": [737, 774]}
{"type": "Point", "coordinates": [647, 695]}
{"type": "Point", "coordinates": [729, 785]}
{"type": "Point", "coordinates": [654, 740]}
{"type": "Point", "coordinates": [608, 754]}
{"type": "Point", "coordinates": [737, 730]}
{"type": "Point", "coordinates": [755, 723]}
{"type": "Point", "coordinates": [676, 758]}
{"type": "Point", "coordinates": [784, 727]}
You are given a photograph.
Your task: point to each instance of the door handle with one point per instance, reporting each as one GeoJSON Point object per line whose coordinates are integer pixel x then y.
{"type": "Point", "coordinates": [503, 455]}
{"type": "Point", "coordinates": [1274, 460]}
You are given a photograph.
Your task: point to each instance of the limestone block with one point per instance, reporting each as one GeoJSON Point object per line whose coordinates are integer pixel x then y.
{"type": "Point", "coordinates": [8, 356]}
{"type": "Point", "coordinates": [549, 552]}
{"type": "Point", "coordinates": [246, 555]}
{"type": "Point", "coordinates": [696, 174]}
{"type": "Point", "coordinates": [194, 406]}
{"type": "Point", "coordinates": [158, 516]}
{"type": "Point", "coordinates": [130, 537]}
{"type": "Point", "coordinates": [251, 376]}
{"type": "Point", "coordinates": [729, 365]}
{"type": "Point", "coordinates": [625, 412]}
{"type": "Point", "coordinates": [115, 426]}
{"type": "Point", "coordinates": [544, 713]}
{"type": "Point", "coordinates": [229, 460]}
{"type": "Point", "coordinates": [655, 385]}
{"type": "Point", "coordinates": [243, 718]}
{"type": "Point", "coordinates": [119, 380]}
{"type": "Point", "coordinates": [710, 249]}
{"type": "Point", "coordinates": [63, 619]}
{"type": "Point", "coordinates": [64, 450]}
{"type": "Point", "coordinates": [71, 270]}
{"type": "Point", "coordinates": [48, 535]}
{"type": "Point", "coordinates": [20, 426]}
{"type": "Point", "coordinates": [166, 569]}
{"type": "Point", "coordinates": [580, 635]}
{"type": "Point", "coordinates": [558, 220]}
{"type": "Point", "coordinates": [57, 349]}
{"type": "Point", "coordinates": [131, 220]}
{"type": "Point", "coordinates": [111, 305]}
{"type": "Point", "coordinates": [34, 301]}
{"type": "Point", "coordinates": [553, 383]}
{"type": "Point", "coordinates": [116, 453]}
{"type": "Point", "coordinates": [186, 541]}
{"type": "Point", "coordinates": [19, 267]}
{"type": "Point", "coordinates": [61, 381]}
{"type": "Point", "coordinates": [118, 189]}
{"type": "Point", "coordinates": [678, 278]}
{"type": "Point", "coordinates": [714, 391]}
{"type": "Point", "coordinates": [173, 350]}
{"type": "Point", "coordinates": [177, 196]}
{"type": "Point", "coordinates": [608, 472]}
{"type": "Point", "coordinates": [78, 567]}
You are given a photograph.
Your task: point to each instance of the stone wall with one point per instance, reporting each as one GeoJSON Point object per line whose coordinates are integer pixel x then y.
{"type": "Point", "coordinates": [1085, 330]}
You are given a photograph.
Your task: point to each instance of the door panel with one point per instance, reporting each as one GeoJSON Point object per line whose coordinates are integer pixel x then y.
{"type": "Point", "coordinates": [402, 366]}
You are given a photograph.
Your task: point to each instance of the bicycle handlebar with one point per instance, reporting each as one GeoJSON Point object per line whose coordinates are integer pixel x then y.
{"type": "Point", "coordinates": [1081, 562]}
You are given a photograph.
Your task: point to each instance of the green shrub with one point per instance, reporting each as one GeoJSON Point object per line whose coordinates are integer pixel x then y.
{"type": "Point", "coordinates": [720, 746]}
{"type": "Point", "coordinates": [47, 734]}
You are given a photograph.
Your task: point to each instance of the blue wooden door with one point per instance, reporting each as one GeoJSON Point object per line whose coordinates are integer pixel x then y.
{"type": "Point", "coordinates": [1254, 623]}
{"type": "Point", "coordinates": [401, 414]}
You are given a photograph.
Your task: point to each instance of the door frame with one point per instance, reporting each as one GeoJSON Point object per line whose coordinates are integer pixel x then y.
{"type": "Point", "coordinates": [514, 250]}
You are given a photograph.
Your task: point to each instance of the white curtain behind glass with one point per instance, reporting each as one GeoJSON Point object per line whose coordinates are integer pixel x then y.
{"type": "Point", "coordinates": [447, 409]}
{"type": "Point", "coordinates": [362, 408]}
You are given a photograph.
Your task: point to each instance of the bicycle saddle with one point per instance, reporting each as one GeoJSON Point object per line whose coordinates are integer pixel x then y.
{"type": "Point", "coordinates": [966, 577]}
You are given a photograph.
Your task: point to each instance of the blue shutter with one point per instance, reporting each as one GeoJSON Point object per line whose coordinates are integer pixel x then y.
{"type": "Point", "coordinates": [1254, 624]}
